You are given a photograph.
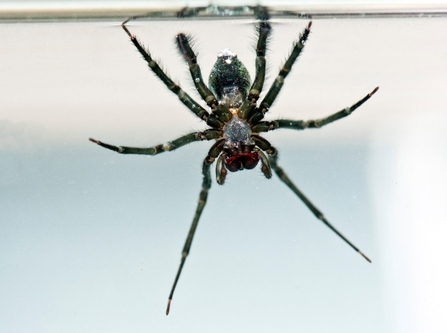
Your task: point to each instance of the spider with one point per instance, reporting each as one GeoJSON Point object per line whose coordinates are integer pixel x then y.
{"type": "Point", "coordinates": [235, 120]}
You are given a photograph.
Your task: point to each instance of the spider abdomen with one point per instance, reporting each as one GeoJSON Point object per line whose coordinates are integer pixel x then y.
{"type": "Point", "coordinates": [229, 79]}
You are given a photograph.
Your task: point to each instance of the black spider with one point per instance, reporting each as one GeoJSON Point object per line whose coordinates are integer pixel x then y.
{"type": "Point", "coordinates": [235, 120]}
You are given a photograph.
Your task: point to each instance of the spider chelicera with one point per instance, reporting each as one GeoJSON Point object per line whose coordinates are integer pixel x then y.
{"type": "Point", "coordinates": [235, 120]}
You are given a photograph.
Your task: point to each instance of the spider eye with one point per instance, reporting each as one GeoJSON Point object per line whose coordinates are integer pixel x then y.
{"type": "Point", "coordinates": [241, 161]}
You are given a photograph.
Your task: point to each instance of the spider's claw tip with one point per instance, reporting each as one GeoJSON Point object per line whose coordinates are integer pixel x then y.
{"type": "Point", "coordinates": [309, 25]}
{"type": "Point", "coordinates": [94, 141]}
{"type": "Point", "coordinates": [128, 20]}
{"type": "Point", "coordinates": [364, 256]}
{"type": "Point", "coordinates": [169, 306]}
{"type": "Point", "coordinates": [374, 91]}
{"type": "Point", "coordinates": [123, 25]}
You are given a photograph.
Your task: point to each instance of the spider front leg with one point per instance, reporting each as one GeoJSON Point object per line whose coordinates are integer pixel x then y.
{"type": "Point", "coordinates": [189, 102]}
{"type": "Point", "coordinates": [171, 145]}
{"type": "Point", "coordinates": [213, 153]}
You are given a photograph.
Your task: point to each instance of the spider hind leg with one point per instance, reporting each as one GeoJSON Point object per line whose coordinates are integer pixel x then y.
{"type": "Point", "coordinates": [213, 153]}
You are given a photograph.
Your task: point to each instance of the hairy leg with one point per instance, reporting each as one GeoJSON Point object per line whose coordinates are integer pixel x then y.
{"type": "Point", "coordinates": [171, 145]}
{"type": "Point", "coordinates": [187, 100]}
{"type": "Point", "coordinates": [265, 126]}
{"type": "Point", "coordinates": [213, 153]}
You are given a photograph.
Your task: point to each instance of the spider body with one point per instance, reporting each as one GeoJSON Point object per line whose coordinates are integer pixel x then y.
{"type": "Point", "coordinates": [230, 82]}
{"type": "Point", "coordinates": [235, 120]}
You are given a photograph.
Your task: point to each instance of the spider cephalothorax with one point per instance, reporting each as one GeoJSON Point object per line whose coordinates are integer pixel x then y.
{"type": "Point", "coordinates": [235, 119]}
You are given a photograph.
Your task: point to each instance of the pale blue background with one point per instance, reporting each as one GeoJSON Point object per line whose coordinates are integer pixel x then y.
{"type": "Point", "coordinates": [90, 240]}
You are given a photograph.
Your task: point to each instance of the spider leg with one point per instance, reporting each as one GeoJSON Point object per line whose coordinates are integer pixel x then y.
{"type": "Point", "coordinates": [215, 150]}
{"type": "Point", "coordinates": [265, 168]}
{"type": "Point", "coordinates": [187, 100]}
{"type": "Point", "coordinates": [264, 29]}
{"type": "Point", "coordinates": [183, 45]}
{"type": "Point", "coordinates": [265, 126]}
{"type": "Point", "coordinates": [271, 95]}
{"type": "Point", "coordinates": [273, 158]}
{"type": "Point", "coordinates": [171, 145]}
{"type": "Point", "coordinates": [221, 171]}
